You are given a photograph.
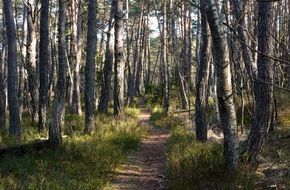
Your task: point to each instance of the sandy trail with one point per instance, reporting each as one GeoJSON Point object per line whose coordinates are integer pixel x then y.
{"type": "Point", "coordinates": [145, 170]}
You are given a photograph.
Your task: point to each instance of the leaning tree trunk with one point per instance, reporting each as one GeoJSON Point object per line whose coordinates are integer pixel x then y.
{"type": "Point", "coordinates": [119, 59]}
{"type": "Point", "coordinates": [43, 64]}
{"type": "Point", "coordinates": [13, 101]}
{"type": "Point", "coordinates": [90, 68]}
{"type": "Point", "coordinates": [55, 137]}
{"type": "Point", "coordinates": [263, 91]}
{"type": "Point", "coordinates": [202, 78]}
{"type": "Point", "coordinates": [108, 65]}
{"type": "Point", "coordinates": [77, 55]}
{"type": "Point", "coordinates": [224, 85]}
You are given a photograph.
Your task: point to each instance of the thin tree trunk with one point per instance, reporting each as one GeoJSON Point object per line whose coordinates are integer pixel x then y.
{"type": "Point", "coordinates": [13, 101]}
{"type": "Point", "coordinates": [43, 64]}
{"type": "Point", "coordinates": [31, 62]}
{"type": "Point", "coordinates": [288, 67]}
{"type": "Point", "coordinates": [202, 78]}
{"type": "Point", "coordinates": [263, 91]}
{"type": "Point", "coordinates": [57, 123]}
{"type": "Point", "coordinates": [224, 86]}
{"type": "Point", "coordinates": [164, 60]}
{"type": "Point", "coordinates": [238, 11]}
{"type": "Point", "coordinates": [149, 76]}
{"type": "Point", "coordinates": [130, 78]}
{"type": "Point", "coordinates": [134, 81]}
{"type": "Point", "coordinates": [3, 86]}
{"type": "Point", "coordinates": [138, 53]}
{"type": "Point", "coordinates": [90, 68]}
{"type": "Point", "coordinates": [119, 60]}
{"type": "Point", "coordinates": [21, 62]}
{"type": "Point", "coordinates": [108, 65]}
{"type": "Point", "coordinates": [77, 54]}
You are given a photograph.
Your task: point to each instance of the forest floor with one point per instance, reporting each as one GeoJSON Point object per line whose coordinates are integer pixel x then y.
{"type": "Point", "coordinates": [145, 169]}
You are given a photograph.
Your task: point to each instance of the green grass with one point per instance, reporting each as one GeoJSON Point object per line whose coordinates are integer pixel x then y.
{"type": "Point", "coordinates": [195, 165]}
{"type": "Point", "coordinates": [160, 119]}
{"type": "Point", "coordinates": [83, 162]}
{"type": "Point", "coordinates": [29, 133]}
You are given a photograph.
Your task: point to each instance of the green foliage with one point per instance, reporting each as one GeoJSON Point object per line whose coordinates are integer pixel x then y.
{"type": "Point", "coordinates": [83, 162]}
{"type": "Point", "coordinates": [160, 119]}
{"type": "Point", "coordinates": [153, 95]}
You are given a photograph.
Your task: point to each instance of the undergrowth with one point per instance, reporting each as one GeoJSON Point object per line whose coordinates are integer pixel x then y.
{"type": "Point", "coordinates": [83, 162]}
{"type": "Point", "coordinates": [195, 165]}
{"type": "Point", "coordinates": [160, 119]}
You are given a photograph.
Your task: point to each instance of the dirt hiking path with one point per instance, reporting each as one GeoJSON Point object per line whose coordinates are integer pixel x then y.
{"type": "Point", "coordinates": [145, 169]}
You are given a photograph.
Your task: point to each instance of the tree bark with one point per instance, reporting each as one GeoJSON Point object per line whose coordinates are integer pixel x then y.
{"type": "Point", "coordinates": [224, 86]}
{"type": "Point", "coordinates": [164, 59]}
{"type": "Point", "coordinates": [43, 64]}
{"type": "Point", "coordinates": [3, 86]}
{"type": "Point", "coordinates": [202, 78]}
{"type": "Point", "coordinates": [55, 137]}
{"type": "Point", "coordinates": [76, 10]}
{"type": "Point", "coordinates": [263, 91]}
{"type": "Point", "coordinates": [31, 62]}
{"type": "Point", "coordinates": [90, 68]}
{"type": "Point", "coordinates": [130, 77]}
{"type": "Point", "coordinates": [119, 59]}
{"type": "Point", "coordinates": [13, 101]}
{"type": "Point", "coordinates": [238, 11]}
{"type": "Point", "coordinates": [108, 66]}
{"type": "Point", "coordinates": [138, 56]}
{"type": "Point", "coordinates": [288, 67]}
